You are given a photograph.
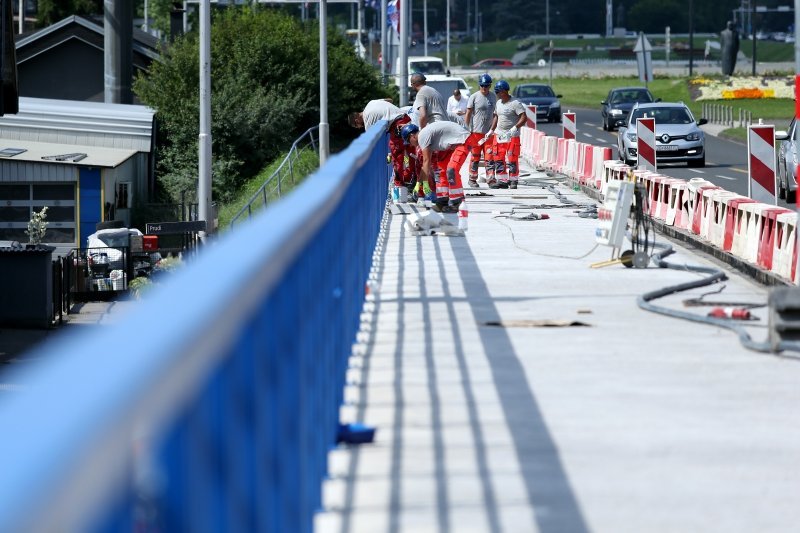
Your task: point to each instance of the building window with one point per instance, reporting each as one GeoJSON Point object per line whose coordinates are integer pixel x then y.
{"type": "Point", "coordinates": [19, 201]}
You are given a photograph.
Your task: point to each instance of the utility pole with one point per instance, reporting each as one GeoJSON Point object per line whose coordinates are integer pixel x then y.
{"type": "Point", "coordinates": [447, 33]}
{"type": "Point", "coordinates": [204, 141]}
{"type": "Point", "coordinates": [753, 22]}
{"type": "Point", "coordinates": [323, 82]}
{"type": "Point", "coordinates": [609, 18]}
{"type": "Point", "coordinates": [691, 38]}
{"type": "Point", "coordinates": [402, 68]}
{"type": "Point", "coordinates": [384, 54]}
{"type": "Point", "coordinates": [425, 24]}
{"type": "Point", "coordinates": [547, 19]}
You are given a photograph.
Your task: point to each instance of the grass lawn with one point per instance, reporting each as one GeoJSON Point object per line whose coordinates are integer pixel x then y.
{"type": "Point", "coordinates": [306, 163]}
{"type": "Point", "coordinates": [583, 93]}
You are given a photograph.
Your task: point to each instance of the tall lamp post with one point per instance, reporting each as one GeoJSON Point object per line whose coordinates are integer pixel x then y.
{"type": "Point", "coordinates": [691, 38]}
{"type": "Point", "coordinates": [204, 155]}
{"type": "Point", "coordinates": [323, 81]}
{"type": "Point", "coordinates": [753, 29]}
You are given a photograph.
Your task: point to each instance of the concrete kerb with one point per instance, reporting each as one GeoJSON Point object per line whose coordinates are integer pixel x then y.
{"type": "Point", "coordinates": [754, 272]}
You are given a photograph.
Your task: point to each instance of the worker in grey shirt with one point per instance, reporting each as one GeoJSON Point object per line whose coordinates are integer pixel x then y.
{"type": "Point", "coordinates": [444, 151]}
{"type": "Point", "coordinates": [374, 111]}
{"type": "Point", "coordinates": [429, 103]}
{"type": "Point", "coordinates": [509, 117]}
{"type": "Point", "coordinates": [479, 117]}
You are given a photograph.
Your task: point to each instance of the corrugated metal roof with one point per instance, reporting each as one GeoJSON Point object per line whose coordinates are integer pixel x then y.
{"type": "Point", "coordinates": [98, 124]}
{"type": "Point", "coordinates": [95, 156]}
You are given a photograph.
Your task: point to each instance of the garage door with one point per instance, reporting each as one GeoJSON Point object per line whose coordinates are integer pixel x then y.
{"type": "Point", "coordinates": [19, 201]}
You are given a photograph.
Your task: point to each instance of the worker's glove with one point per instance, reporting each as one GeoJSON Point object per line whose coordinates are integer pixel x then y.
{"type": "Point", "coordinates": [488, 134]}
{"type": "Point", "coordinates": [513, 130]}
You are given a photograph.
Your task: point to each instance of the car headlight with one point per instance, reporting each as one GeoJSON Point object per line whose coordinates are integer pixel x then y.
{"type": "Point", "coordinates": [632, 137]}
{"type": "Point", "coordinates": [693, 137]}
{"type": "Point", "coordinates": [616, 111]}
{"type": "Point", "coordinates": [555, 104]}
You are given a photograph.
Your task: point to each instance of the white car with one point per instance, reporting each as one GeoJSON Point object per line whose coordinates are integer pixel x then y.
{"type": "Point", "coordinates": [104, 248]}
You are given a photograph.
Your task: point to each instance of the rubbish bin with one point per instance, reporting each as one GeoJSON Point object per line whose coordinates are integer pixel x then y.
{"type": "Point", "coordinates": [26, 286]}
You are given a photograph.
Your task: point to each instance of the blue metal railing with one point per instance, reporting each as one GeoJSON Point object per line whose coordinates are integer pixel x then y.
{"type": "Point", "coordinates": [212, 404]}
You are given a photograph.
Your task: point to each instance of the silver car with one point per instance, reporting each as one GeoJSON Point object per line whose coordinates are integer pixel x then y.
{"type": "Point", "coordinates": [679, 138]}
{"type": "Point", "coordinates": [787, 162]}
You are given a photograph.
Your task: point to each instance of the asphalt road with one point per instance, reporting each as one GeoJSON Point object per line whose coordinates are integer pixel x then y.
{"type": "Point", "coordinates": [726, 161]}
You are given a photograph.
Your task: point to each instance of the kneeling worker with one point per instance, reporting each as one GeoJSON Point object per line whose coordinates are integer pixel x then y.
{"type": "Point", "coordinates": [402, 155]}
{"type": "Point", "coordinates": [444, 150]}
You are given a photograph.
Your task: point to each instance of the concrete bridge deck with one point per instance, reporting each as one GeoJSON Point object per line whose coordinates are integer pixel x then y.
{"type": "Point", "coordinates": [633, 422]}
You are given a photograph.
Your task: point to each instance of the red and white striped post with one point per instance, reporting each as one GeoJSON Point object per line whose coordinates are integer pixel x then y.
{"type": "Point", "coordinates": [530, 115]}
{"type": "Point", "coordinates": [646, 143]}
{"type": "Point", "coordinates": [761, 163]}
{"type": "Point", "coordinates": [568, 120]}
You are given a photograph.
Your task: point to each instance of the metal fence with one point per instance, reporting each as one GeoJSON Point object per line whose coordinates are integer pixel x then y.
{"type": "Point", "coordinates": [726, 115]}
{"type": "Point", "coordinates": [283, 179]}
{"type": "Point", "coordinates": [220, 401]}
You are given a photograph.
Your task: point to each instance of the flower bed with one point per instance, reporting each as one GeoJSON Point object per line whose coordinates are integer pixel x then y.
{"type": "Point", "coordinates": [741, 87]}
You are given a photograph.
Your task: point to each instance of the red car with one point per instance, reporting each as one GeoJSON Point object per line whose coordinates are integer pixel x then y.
{"type": "Point", "coordinates": [493, 62]}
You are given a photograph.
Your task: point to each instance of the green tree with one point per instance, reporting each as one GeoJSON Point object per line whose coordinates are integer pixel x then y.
{"type": "Point", "coordinates": [265, 93]}
{"type": "Point", "coordinates": [51, 11]}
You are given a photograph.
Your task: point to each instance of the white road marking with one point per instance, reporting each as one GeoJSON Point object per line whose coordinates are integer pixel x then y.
{"type": "Point", "coordinates": [698, 171]}
{"type": "Point", "coordinates": [592, 124]}
{"type": "Point", "coordinates": [726, 177]}
{"type": "Point", "coordinates": [584, 133]}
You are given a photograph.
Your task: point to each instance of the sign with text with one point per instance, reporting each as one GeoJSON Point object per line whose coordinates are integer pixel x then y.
{"type": "Point", "coordinates": [174, 228]}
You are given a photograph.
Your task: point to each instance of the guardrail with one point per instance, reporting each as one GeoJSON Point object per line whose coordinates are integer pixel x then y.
{"type": "Point", "coordinates": [273, 187]}
{"type": "Point", "coordinates": [220, 401]}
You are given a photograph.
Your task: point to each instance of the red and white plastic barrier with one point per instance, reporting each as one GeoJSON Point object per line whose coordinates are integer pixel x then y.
{"type": "Point", "coordinates": [646, 143]}
{"type": "Point", "coordinates": [761, 163]}
{"type": "Point", "coordinates": [570, 130]}
{"type": "Point", "coordinates": [530, 116]}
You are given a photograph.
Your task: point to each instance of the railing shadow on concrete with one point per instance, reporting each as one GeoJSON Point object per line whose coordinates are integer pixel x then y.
{"type": "Point", "coordinates": [219, 404]}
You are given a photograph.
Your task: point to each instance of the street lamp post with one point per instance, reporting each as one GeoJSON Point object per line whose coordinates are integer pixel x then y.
{"type": "Point", "coordinates": [323, 81]}
{"type": "Point", "coordinates": [204, 141]}
{"type": "Point", "coordinates": [691, 38]}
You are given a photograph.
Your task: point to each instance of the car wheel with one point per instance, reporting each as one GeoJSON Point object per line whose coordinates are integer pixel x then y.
{"type": "Point", "coordinates": [698, 163]}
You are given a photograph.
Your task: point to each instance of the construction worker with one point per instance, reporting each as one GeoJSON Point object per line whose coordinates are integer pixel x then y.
{"type": "Point", "coordinates": [478, 119]}
{"type": "Point", "coordinates": [402, 155]}
{"type": "Point", "coordinates": [429, 104]}
{"type": "Point", "coordinates": [444, 152]}
{"type": "Point", "coordinates": [509, 117]}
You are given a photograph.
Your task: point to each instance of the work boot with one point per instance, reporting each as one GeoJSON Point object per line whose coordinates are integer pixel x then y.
{"type": "Point", "coordinates": [439, 207]}
{"type": "Point", "coordinates": [491, 183]}
{"type": "Point", "coordinates": [512, 184]}
{"type": "Point", "coordinates": [473, 184]}
{"type": "Point", "coordinates": [499, 185]}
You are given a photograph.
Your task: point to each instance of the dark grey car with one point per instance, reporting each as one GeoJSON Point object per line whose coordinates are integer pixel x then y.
{"type": "Point", "coordinates": [542, 96]}
{"type": "Point", "coordinates": [619, 102]}
{"type": "Point", "coordinates": [787, 163]}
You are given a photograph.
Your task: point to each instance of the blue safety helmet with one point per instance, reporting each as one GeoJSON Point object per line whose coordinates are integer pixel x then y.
{"type": "Point", "coordinates": [485, 80]}
{"type": "Point", "coordinates": [407, 130]}
{"type": "Point", "coordinates": [501, 85]}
